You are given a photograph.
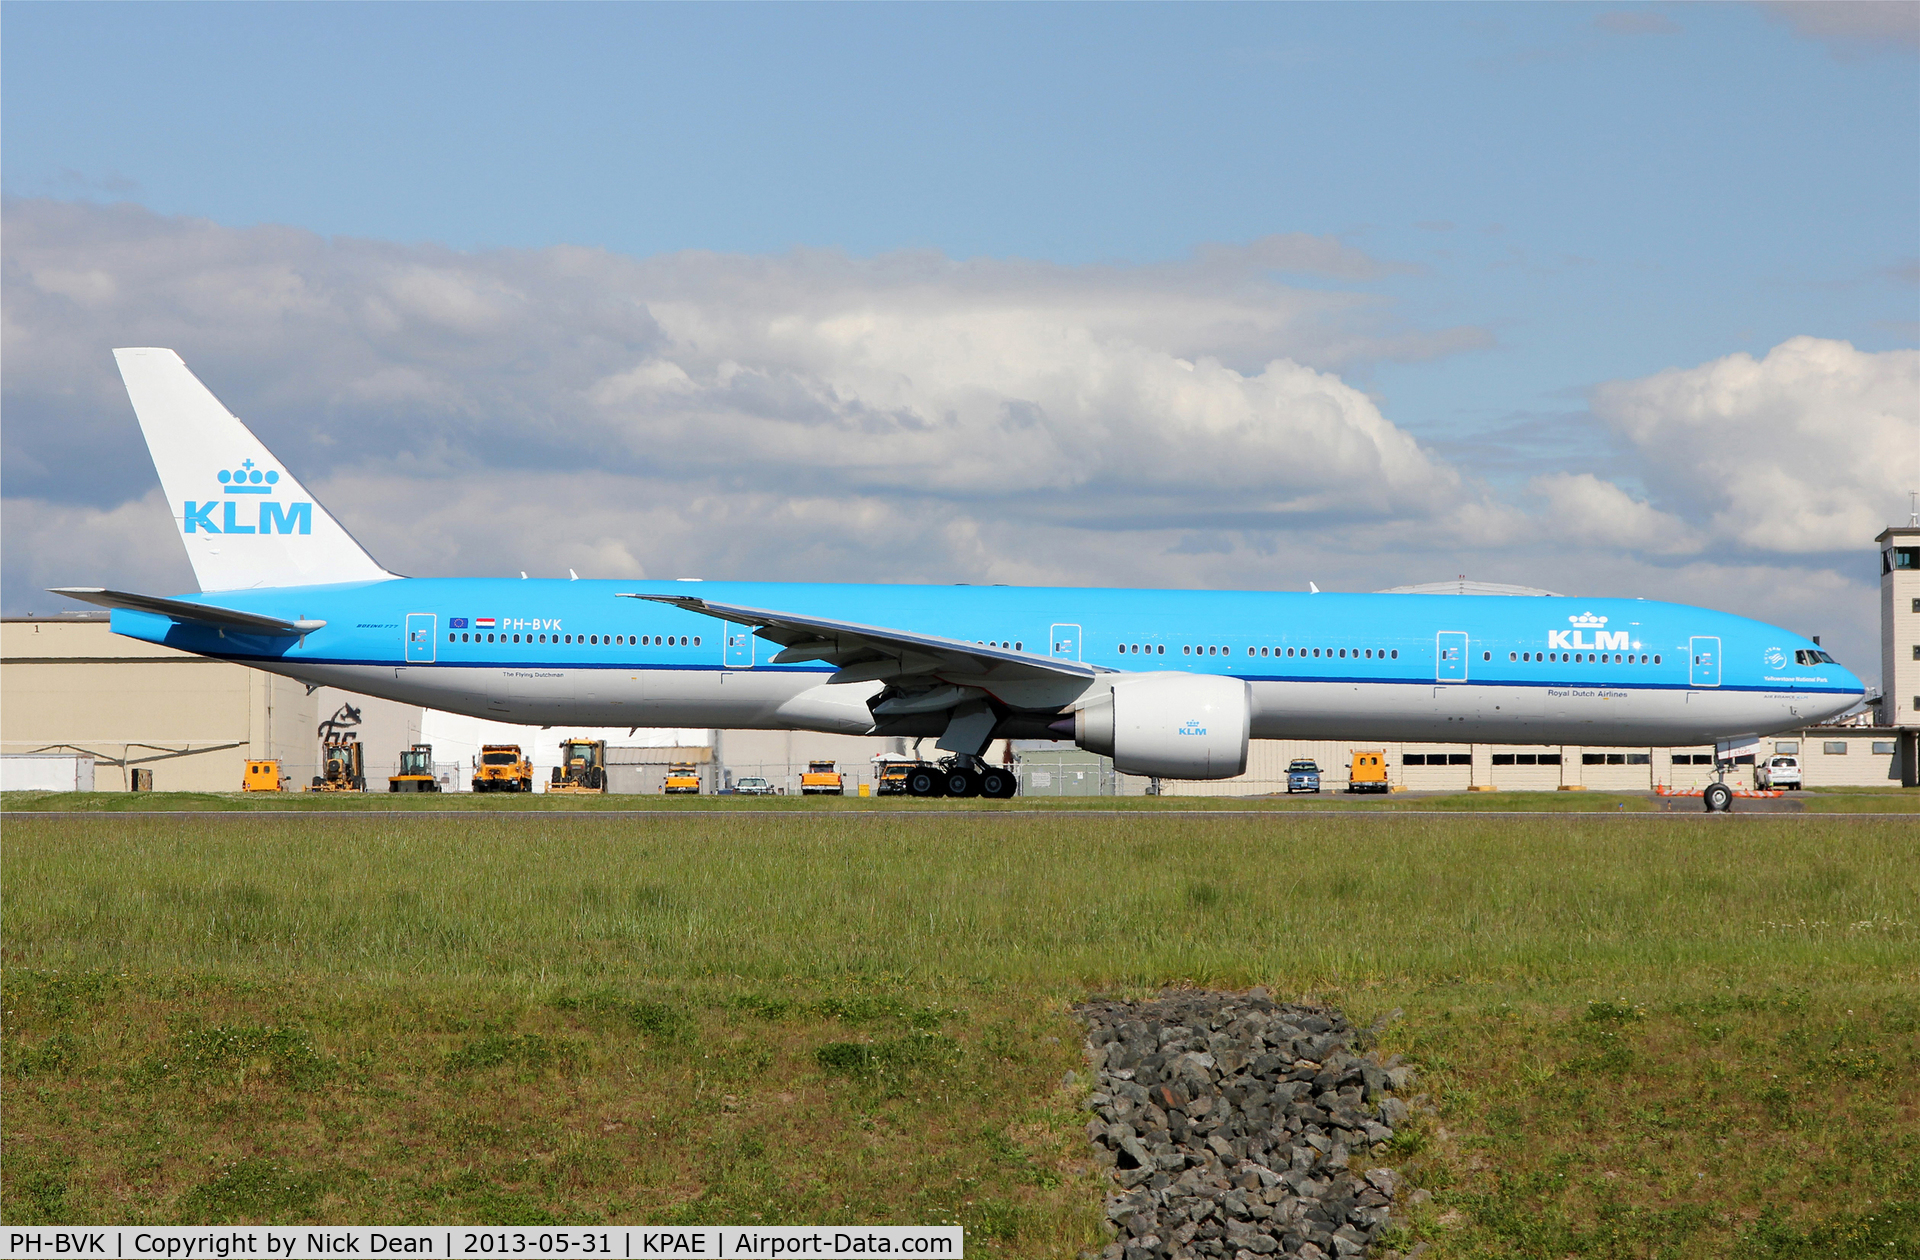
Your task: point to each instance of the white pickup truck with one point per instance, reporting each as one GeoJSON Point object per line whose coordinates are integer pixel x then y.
{"type": "Point", "coordinates": [1777, 774]}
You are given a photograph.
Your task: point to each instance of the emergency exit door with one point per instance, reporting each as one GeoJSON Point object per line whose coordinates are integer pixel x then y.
{"type": "Point", "coordinates": [1450, 656]}
{"type": "Point", "coordinates": [420, 637]}
{"type": "Point", "coordinates": [1066, 642]}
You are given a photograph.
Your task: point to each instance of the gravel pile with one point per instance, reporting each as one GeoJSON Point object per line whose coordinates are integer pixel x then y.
{"type": "Point", "coordinates": [1229, 1120]}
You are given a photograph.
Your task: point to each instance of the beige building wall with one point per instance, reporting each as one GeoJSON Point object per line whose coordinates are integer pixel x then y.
{"type": "Point", "coordinates": [69, 684]}
{"type": "Point", "coordinates": [780, 757]}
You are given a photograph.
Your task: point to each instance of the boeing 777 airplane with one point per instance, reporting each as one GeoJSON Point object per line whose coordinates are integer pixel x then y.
{"type": "Point", "coordinates": [1168, 683]}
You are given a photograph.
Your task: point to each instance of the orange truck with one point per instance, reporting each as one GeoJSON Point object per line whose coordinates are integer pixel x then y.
{"type": "Point", "coordinates": [821, 779]}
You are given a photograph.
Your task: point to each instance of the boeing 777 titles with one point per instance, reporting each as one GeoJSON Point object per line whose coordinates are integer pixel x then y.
{"type": "Point", "coordinates": [1168, 683]}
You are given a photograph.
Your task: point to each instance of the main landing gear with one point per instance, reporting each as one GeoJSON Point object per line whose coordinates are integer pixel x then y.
{"type": "Point", "coordinates": [962, 776]}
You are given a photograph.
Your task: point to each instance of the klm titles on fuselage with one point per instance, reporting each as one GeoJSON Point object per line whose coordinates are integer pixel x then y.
{"type": "Point", "coordinates": [273, 518]}
{"type": "Point", "coordinates": [1575, 640]}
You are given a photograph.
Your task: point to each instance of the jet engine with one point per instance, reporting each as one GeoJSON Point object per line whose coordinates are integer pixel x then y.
{"type": "Point", "coordinates": [1170, 726]}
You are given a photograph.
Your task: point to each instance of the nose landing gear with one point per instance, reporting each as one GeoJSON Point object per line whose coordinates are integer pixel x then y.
{"type": "Point", "coordinates": [1718, 798]}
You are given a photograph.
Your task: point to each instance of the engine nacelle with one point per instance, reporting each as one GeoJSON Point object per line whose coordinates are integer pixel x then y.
{"type": "Point", "coordinates": [1170, 726]}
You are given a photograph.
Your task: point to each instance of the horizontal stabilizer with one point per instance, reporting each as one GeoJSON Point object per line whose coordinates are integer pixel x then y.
{"type": "Point", "coordinates": [187, 610]}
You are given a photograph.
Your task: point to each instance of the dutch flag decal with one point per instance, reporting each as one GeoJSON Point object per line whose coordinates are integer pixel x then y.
{"type": "Point", "coordinates": [483, 623]}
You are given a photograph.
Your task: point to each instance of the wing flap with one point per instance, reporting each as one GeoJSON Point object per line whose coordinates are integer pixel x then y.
{"type": "Point", "coordinates": [189, 611]}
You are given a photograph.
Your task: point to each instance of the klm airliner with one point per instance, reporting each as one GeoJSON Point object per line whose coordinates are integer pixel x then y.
{"type": "Point", "coordinates": [1168, 683]}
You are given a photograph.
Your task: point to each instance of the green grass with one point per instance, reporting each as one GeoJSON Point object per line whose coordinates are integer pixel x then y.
{"type": "Point", "coordinates": [1872, 800]}
{"type": "Point", "coordinates": [1642, 1037]}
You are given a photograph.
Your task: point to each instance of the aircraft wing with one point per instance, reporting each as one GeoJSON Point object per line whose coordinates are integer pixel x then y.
{"type": "Point", "coordinates": [866, 653]}
{"type": "Point", "coordinates": [187, 610]}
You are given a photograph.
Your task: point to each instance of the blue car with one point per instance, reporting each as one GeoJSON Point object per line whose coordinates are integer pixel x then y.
{"type": "Point", "coordinates": [1302, 776]}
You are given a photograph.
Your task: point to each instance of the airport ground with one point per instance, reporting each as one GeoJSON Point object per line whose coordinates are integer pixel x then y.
{"type": "Point", "coordinates": [1642, 1035]}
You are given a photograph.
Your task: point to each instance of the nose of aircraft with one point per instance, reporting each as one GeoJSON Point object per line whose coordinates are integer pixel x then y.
{"type": "Point", "coordinates": [1852, 692]}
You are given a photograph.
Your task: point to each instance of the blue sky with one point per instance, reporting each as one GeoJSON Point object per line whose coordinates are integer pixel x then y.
{"type": "Point", "coordinates": [1532, 200]}
{"type": "Point", "coordinates": [1609, 190]}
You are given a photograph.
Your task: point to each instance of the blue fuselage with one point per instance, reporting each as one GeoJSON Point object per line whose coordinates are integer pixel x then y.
{"type": "Point", "coordinates": [1512, 669]}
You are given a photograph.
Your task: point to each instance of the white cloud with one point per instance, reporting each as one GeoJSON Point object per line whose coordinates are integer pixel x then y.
{"type": "Point", "coordinates": [1849, 26]}
{"type": "Point", "coordinates": [1807, 450]}
{"type": "Point", "coordinates": [1582, 506]}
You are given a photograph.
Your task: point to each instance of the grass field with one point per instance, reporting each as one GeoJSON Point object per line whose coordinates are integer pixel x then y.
{"type": "Point", "coordinates": [1642, 1036]}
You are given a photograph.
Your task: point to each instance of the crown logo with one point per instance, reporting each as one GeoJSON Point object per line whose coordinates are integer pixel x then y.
{"type": "Point", "coordinates": [246, 479]}
{"type": "Point", "coordinates": [1587, 621]}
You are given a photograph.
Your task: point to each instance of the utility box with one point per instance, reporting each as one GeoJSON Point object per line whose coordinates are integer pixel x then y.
{"type": "Point", "coordinates": [46, 772]}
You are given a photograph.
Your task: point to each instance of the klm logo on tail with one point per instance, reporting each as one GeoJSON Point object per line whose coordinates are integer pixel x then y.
{"type": "Point", "coordinates": [273, 517]}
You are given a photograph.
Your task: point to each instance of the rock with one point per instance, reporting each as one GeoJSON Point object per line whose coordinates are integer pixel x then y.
{"type": "Point", "coordinates": [1226, 1122]}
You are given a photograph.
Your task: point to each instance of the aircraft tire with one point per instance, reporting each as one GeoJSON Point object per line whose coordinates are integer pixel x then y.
{"type": "Point", "coordinates": [925, 781]}
{"type": "Point", "coordinates": [962, 783]}
{"type": "Point", "coordinates": [998, 785]}
{"type": "Point", "coordinates": [1718, 798]}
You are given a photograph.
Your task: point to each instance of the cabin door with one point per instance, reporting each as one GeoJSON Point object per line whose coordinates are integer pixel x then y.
{"type": "Point", "coordinates": [1065, 643]}
{"type": "Point", "coordinates": [1450, 657]}
{"type": "Point", "coordinates": [420, 636]}
{"type": "Point", "coordinates": [1705, 669]}
{"type": "Point", "coordinates": [739, 647]}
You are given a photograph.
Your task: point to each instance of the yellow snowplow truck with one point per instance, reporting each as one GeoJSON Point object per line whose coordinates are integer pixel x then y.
{"type": "Point", "coordinates": [416, 771]}
{"type": "Point", "coordinates": [683, 777]}
{"type": "Point", "coordinates": [342, 767]}
{"type": "Point", "coordinates": [502, 769]}
{"type": "Point", "coordinates": [582, 768]}
{"type": "Point", "coordinates": [821, 779]}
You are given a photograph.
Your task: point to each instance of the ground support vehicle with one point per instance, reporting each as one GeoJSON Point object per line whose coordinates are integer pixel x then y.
{"type": "Point", "coordinates": [1302, 776]}
{"type": "Point", "coordinates": [416, 771]}
{"type": "Point", "coordinates": [582, 768]}
{"type": "Point", "coordinates": [1368, 772]}
{"type": "Point", "coordinates": [1781, 773]}
{"type": "Point", "coordinates": [752, 785]}
{"type": "Point", "coordinates": [683, 779]}
{"type": "Point", "coordinates": [263, 776]}
{"type": "Point", "coordinates": [502, 768]}
{"type": "Point", "coordinates": [821, 779]}
{"type": "Point", "coordinates": [961, 776]}
{"type": "Point", "coordinates": [890, 774]}
{"type": "Point", "coordinates": [343, 767]}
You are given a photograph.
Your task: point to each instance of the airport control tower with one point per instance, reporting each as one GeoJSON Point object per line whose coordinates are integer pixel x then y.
{"type": "Point", "coordinates": [1900, 643]}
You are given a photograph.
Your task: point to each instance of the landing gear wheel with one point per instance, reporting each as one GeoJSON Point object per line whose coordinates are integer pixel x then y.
{"type": "Point", "coordinates": [1718, 798]}
{"type": "Point", "coordinates": [997, 784]}
{"type": "Point", "coordinates": [926, 781]}
{"type": "Point", "coordinates": [962, 782]}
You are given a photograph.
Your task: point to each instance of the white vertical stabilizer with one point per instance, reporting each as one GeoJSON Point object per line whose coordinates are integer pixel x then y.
{"type": "Point", "coordinates": [245, 520]}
